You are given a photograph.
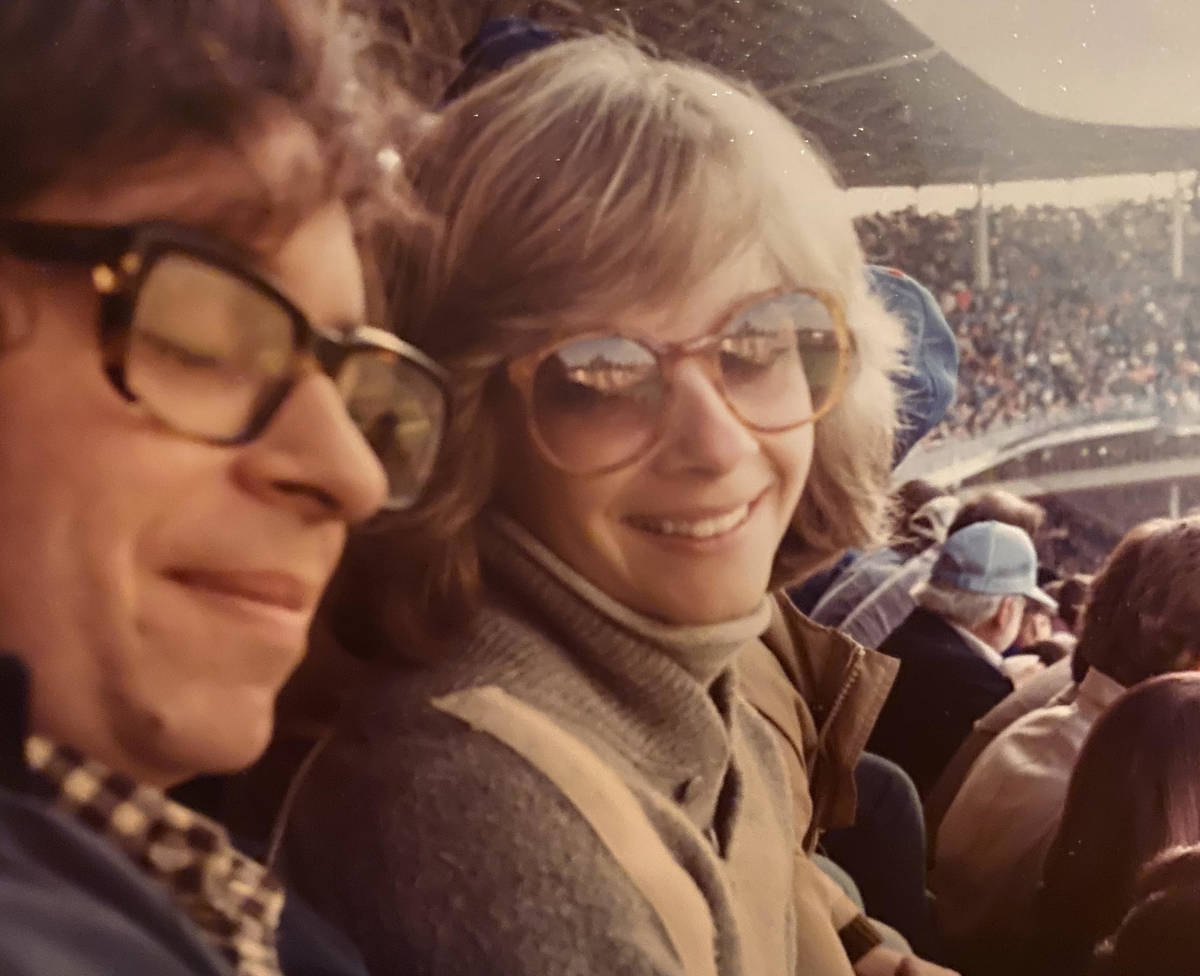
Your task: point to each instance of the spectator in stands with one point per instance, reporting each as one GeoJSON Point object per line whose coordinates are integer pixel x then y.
{"type": "Point", "coordinates": [1133, 794]}
{"type": "Point", "coordinates": [1159, 933]}
{"type": "Point", "coordinates": [926, 384]}
{"type": "Point", "coordinates": [1055, 683]}
{"type": "Point", "coordinates": [992, 843]}
{"type": "Point", "coordinates": [1082, 314]}
{"type": "Point", "coordinates": [1058, 683]}
{"type": "Point", "coordinates": [998, 505]}
{"type": "Point", "coordinates": [609, 519]}
{"type": "Point", "coordinates": [179, 304]}
{"type": "Point", "coordinates": [951, 672]}
{"type": "Point", "coordinates": [873, 593]}
{"type": "Point", "coordinates": [1072, 596]}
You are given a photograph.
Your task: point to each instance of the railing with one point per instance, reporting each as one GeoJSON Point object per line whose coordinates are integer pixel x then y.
{"type": "Point", "coordinates": [952, 461]}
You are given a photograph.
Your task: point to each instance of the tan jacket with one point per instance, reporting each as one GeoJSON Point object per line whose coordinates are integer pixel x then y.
{"type": "Point", "coordinates": [821, 693]}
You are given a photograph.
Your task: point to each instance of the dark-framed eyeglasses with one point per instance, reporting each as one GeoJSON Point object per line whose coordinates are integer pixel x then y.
{"type": "Point", "coordinates": [211, 348]}
{"type": "Point", "coordinates": [596, 402]}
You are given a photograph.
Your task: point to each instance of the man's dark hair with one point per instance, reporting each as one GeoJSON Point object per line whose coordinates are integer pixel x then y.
{"type": "Point", "coordinates": [997, 505]}
{"type": "Point", "coordinates": [1071, 594]}
{"type": "Point", "coordinates": [1140, 618]}
{"type": "Point", "coordinates": [912, 496]}
{"type": "Point", "coordinates": [93, 87]}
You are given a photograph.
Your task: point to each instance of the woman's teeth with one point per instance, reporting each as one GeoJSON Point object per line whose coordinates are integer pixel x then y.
{"type": "Point", "coordinates": [699, 529]}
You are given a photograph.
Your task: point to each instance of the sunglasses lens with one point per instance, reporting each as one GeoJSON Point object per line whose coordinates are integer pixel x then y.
{"type": "Point", "coordinates": [401, 411]}
{"type": "Point", "coordinates": [596, 402]}
{"type": "Point", "coordinates": [780, 360]}
{"type": "Point", "coordinates": [206, 349]}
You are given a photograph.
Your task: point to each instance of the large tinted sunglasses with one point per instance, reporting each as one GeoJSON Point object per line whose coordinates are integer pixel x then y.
{"type": "Point", "coordinates": [211, 348]}
{"type": "Point", "coordinates": [598, 402]}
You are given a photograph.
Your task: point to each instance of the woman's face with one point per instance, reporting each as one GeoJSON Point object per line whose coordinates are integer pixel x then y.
{"type": "Point", "coordinates": [687, 534]}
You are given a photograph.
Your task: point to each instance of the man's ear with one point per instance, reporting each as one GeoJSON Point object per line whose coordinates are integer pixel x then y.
{"type": "Point", "coordinates": [1010, 607]}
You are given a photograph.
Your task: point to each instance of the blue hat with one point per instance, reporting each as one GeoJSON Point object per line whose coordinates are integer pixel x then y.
{"type": "Point", "coordinates": [991, 558]}
{"type": "Point", "coordinates": [498, 43]}
{"type": "Point", "coordinates": [930, 379]}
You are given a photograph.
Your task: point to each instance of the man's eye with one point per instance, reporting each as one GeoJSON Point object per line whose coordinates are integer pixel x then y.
{"type": "Point", "coordinates": [192, 358]}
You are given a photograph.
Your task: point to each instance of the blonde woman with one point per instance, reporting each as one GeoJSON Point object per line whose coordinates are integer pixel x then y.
{"type": "Point", "coordinates": [671, 396]}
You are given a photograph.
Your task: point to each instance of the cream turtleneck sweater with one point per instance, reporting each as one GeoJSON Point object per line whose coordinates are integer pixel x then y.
{"type": "Point", "coordinates": [440, 851]}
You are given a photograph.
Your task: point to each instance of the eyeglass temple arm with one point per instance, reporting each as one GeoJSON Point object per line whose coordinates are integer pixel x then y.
{"type": "Point", "coordinates": [67, 243]}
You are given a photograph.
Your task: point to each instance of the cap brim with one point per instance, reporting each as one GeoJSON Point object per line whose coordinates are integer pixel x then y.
{"type": "Point", "coordinates": [1039, 596]}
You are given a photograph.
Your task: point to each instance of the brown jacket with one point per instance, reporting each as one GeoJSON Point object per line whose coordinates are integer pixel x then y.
{"type": "Point", "coordinates": [821, 693]}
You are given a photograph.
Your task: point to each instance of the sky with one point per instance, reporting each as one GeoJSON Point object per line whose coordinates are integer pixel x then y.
{"type": "Point", "coordinates": [1135, 62]}
{"type": "Point", "coordinates": [1087, 192]}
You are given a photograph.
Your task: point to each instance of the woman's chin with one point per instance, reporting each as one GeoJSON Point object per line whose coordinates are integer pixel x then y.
{"type": "Point", "coordinates": [700, 604]}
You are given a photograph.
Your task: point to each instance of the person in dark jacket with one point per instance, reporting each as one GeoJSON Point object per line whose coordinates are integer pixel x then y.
{"type": "Point", "coordinates": [951, 672]}
{"type": "Point", "coordinates": [181, 373]}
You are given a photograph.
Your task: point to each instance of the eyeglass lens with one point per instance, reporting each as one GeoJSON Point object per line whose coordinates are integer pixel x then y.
{"type": "Point", "coordinates": [597, 401]}
{"type": "Point", "coordinates": [401, 411]}
{"type": "Point", "coordinates": [208, 350]}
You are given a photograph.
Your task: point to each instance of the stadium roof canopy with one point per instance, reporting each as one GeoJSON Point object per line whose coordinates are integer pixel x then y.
{"type": "Point", "coordinates": [888, 104]}
{"type": "Point", "coordinates": [891, 107]}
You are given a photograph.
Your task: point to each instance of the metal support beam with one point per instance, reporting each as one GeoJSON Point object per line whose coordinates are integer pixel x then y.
{"type": "Point", "coordinates": [1173, 500]}
{"type": "Point", "coordinates": [983, 261]}
{"type": "Point", "coordinates": [858, 71]}
{"type": "Point", "coordinates": [1177, 212]}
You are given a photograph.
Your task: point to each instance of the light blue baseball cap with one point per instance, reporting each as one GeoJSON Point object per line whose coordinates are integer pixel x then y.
{"type": "Point", "coordinates": [993, 558]}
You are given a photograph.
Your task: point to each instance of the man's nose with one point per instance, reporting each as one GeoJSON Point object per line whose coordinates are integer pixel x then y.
{"type": "Point", "coordinates": [313, 459]}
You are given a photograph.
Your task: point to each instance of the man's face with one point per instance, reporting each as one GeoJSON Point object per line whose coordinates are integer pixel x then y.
{"type": "Point", "coordinates": [161, 588]}
{"type": "Point", "coordinates": [1036, 625]}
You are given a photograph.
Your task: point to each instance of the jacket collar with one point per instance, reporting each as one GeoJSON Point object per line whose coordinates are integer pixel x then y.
{"type": "Point", "coordinates": [1098, 690]}
{"type": "Point", "coordinates": [844, 686]}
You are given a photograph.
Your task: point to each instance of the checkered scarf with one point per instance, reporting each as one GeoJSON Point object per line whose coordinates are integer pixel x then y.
{"type": "Point", "coordinates": [234, 901]}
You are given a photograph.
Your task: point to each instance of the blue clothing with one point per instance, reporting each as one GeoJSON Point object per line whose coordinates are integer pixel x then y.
{"type": "Point", "coordinates": [874, 596]}
{"type": "Point", "coordinates": [929, 381]}
{"type": "Point", "coordinates": [808, 594]}
{"type": "Point", "coordinates": [72, 904]}
{"type": "Point", "coordinates": [884, 851]}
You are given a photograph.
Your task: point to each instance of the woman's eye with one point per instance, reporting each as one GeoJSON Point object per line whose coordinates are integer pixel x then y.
{"type": "Point", "coordinates": [747, 355]}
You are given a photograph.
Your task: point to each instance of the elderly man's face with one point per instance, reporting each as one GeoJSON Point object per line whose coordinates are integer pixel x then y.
{"type": "Point", "coordinates": [161, 588]}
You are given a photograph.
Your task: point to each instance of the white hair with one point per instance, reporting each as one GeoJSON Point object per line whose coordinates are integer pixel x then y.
{"type": "Point", "coordinates": [962, 607]}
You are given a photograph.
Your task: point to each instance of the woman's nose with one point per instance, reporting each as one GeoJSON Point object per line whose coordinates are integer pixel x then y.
{"type": "Point", "coordinates": [702, 431]}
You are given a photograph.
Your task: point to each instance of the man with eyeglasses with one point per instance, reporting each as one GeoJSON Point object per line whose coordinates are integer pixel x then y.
{"type": "Point", "coordinates": [186, 398]}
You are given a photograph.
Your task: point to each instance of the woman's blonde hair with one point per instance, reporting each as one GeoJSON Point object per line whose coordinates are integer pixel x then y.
{"type": "Point", "coordinates": [593, 179]}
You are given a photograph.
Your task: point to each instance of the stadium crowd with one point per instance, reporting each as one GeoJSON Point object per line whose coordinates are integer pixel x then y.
{"type": "Point", "coordinates": [566, 620]}
{"type": "Point", "coordinates": [1082, 311]}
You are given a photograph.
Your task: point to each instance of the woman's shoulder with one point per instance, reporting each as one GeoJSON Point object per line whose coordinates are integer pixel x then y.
{"type": "Point", "coordinates": [439, 843]}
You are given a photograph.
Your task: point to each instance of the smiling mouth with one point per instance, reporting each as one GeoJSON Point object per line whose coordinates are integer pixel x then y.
{"type": "Point", "coordinates": [709, 527]}
{"type": "Point", "coordinates": [270, 589]}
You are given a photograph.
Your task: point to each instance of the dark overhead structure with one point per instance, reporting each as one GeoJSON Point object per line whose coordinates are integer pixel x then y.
{"type": "Point", "coordinates": [889, 106]}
